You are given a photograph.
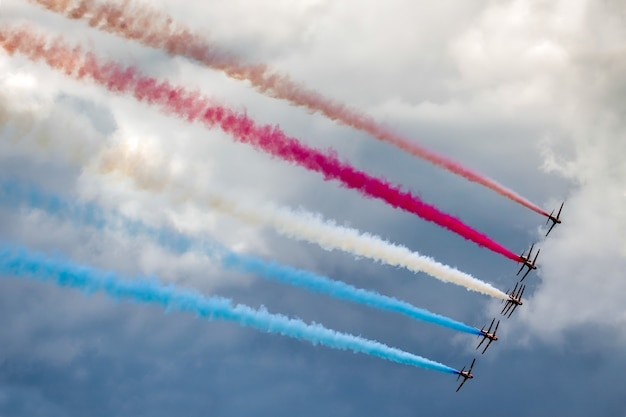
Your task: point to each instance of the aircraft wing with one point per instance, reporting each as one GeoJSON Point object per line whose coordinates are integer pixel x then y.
{"type": "Point", "coordinates": [512, 310]}
{"type": "Point", "coordinates": [486, 346]}
{"type": "Point", "coordinates": [457, 390]}
{"type": "Point", "coordinates": [481, 342]}
{"type": "Point", "coordinates": [506, 308]}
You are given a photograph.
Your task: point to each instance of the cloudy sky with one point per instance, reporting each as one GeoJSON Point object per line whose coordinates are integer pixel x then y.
{"type": "Point", "coordinates": [530, 93]}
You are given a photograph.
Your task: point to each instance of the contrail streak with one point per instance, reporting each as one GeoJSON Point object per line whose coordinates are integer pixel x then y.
{"type": "Point", "coordinates": [23, 264]}
{"type": "Point", "coordinates": [85, 214]}
{"type": "Point", "coordinates": [157, 30]}
{"type": "Point", "coordinates": [191, 106]}
{"type": "Point", "coordinates": [147, 170]}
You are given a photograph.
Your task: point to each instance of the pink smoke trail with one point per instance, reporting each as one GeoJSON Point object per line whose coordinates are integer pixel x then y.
{"type": "Point", "coordinates": [157, 30]}
{"type": "Point", "coordinates": [191, 106]}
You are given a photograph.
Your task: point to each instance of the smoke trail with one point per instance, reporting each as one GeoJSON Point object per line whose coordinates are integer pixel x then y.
{"type": "Point", "coordinates": [85, 214]}
{"type": "Point", "coordinates": [147, 172]}
{"type": "Point", "coordinates": [313, 228]}
{"type": "Point", "coordinates": [157, 30]}
{"type": "Point", "coordinates": [23, 264]}
{"type": "Point", "coordinates": [193, 107]}
{"type": "Point", "coordinates": [145, 167]}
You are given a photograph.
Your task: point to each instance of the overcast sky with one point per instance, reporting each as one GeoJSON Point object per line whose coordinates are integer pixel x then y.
{"type": "Point", "coordinates": [530, 93]}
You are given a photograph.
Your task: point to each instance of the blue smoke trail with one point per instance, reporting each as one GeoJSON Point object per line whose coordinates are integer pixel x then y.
{"type": "Point", "coordinates": [91, 215]}
{"type": "Point", "coordinates": [23, 264]}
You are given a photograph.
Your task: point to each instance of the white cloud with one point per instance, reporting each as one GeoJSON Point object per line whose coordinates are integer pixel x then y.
{"type": "Point", "coordinates": [551, 60]}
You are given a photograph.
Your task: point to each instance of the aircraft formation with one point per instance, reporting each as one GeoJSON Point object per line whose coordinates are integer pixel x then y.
{"type": "Point", "coordinates": [192, 107]}
{"type": "Point", "coordinates": [514, 300]}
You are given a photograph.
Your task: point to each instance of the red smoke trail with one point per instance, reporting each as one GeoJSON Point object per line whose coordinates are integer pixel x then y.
{"type": "Point", "coordinates": [191, 106]}
{"type": "Point", "coordinates": [157, 30]}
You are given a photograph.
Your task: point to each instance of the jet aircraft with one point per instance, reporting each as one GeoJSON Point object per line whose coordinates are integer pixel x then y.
{"type": "Point", "coordinates": [526, 261]}
{"type": "Point", "coordinates": [515, 299]}
{"type": "Point", "coordinates": [555, 220]}
{"type": "Point", "coordinates": [486, 334]}
{"type": "Point", "coordinates": [465, 374]}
